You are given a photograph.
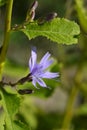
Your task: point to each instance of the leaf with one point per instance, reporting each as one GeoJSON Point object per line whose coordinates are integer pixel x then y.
{"type": "Point", "coordinates": [2, 119]}
{"type": "Point", "coordinates": [2, 2]}
{"type": "Point", "coordinates": [11, 103]}
{"type": "Point", "coordinates": [18, 125]}
{"type": "Point", "coordinates": [59, 30]}
{"type": "Point", "coordinates": [28, 112]}
{"type": "Point", "coordinates": [82, 14]}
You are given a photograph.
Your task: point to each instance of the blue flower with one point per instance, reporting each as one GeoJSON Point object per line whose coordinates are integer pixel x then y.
{"type": "Point", "coordinates": [39, 70]}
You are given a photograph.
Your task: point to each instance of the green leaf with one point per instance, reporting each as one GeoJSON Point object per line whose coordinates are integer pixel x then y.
{"type": "Point", "coordinates": [59, 30]}
{"type": "Point", "coordinates": [2, 2]}
{"type": "Point", "coordinates": [11, 103]}
{"type": "Point", "coordinates": [2, 119]}
{"type": "Point", "coordinates": [18, 125]}
{"type": "Point", "coordinates": [82, 14]}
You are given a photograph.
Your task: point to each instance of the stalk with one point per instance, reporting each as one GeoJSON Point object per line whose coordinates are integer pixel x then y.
{"type": "Point", "coordinates": [70, 109]}
{"type": "Point", "coordinates": [6, 33]}
{"type": "Point", "coordinates": [71, 101]}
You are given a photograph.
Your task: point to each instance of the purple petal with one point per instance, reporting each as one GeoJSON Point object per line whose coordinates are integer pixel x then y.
{"type": "Point", "coordinates": [49, 75]}
{"type": "Point", "coordinates": [41, 82]}
{"type": "Point", "coordinates": [38, 71]}
{"type": "Point", "coordinates": [47, 63]}
{"type": "Point", "coordinates": [34, 82]}
{"type": "Point", "coordinates": [45, 58]}
{"type": "Point", "coordinates": [33, 58]}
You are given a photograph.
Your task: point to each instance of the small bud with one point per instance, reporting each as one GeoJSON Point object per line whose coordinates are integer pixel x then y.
{"type": "Point", "coordinates": [51, 16]}
{"type": "Point", "coordinates": [25, 91]}
{"type": "Point", "coordinates": [27, 78]}
{"type": "Point", "coordinates": [32, 15]}
{"type": "Point", "coordinates": [31, 12]}
{"type": "Point", "coordinates": [34, 5]}
{"type": "Point", "coordinates": [48, 18]}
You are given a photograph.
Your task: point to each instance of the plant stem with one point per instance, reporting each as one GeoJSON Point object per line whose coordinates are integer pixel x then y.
{"type": "Point", "coordinates": [71, 102]}
{"type": "Point", "coordinates": [70, 109]}
{"type": "Point", "coordinates": [69, 8]}
{"type": "Point", "coordinates": [6, 33]}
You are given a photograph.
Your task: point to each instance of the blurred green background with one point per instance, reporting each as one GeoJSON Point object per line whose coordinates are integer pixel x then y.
{"type": "Point", "coordinates": [44, 110]}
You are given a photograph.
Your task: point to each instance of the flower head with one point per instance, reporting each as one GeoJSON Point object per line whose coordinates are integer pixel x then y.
{"type": "Point", "coordinates": [39, 71]}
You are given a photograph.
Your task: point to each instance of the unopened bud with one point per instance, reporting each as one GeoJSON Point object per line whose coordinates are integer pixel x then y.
{"type": "Point", "coordinates": [32, 15]}
{"type": "Point", "coordinates": [48, 18]}
{"type": "Point", "coordinates": [27, 78]}
{"type": "Point", "coordinates": [25, 91]}
{"type": "Point", "coordinates": [34, 5]}
{"type": "Point", "coordinates": [51, 16]}
{"type": "Point", "coordinates": [31, 12]}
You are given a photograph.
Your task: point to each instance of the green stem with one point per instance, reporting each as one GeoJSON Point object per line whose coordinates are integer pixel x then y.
{"type": "Point", "coordinates": [70, 109]}
{"type": "Point", "coordinates": [71, 102]}
{"type": "Point", "coordinates": [69, 8]}
{"type": "Point", "coordinates": [6, 33]}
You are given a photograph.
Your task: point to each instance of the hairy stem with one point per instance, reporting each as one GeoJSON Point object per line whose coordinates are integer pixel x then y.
{"type": "Point", "coordinates": [6, 33]}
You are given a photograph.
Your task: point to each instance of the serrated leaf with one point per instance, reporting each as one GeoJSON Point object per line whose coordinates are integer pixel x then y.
{"type": "Point", "coordinates": [59, 30]}
{"type": "Point", "coordinates": [11, 103]}
{"type": "Point", "coordinates": [82, 14]}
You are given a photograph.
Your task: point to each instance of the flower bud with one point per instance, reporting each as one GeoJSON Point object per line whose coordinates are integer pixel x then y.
{"type": "Point", "coordinates": [25, 91]}
{"type": "Point", "coordinates": [34, 5]}
{"type": "Point", "coordinates": [51, 16]}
